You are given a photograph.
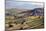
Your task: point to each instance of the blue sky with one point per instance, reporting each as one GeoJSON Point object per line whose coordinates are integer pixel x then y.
{"type": "Point", "coordinates": [22, 5]}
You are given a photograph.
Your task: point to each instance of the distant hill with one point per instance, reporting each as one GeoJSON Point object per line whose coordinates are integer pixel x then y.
{"type": "Point", "coordinates": [21, 12]}
{"type": "Point", "coordinates": [34, 12]}
{"type": "Point", "coordinates": [38, 12]}
{"type": "Point", "coordinates": [13, 11]}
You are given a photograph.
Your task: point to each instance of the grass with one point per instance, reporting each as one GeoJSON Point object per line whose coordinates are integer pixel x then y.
{"type": "Point", "coordinates": [28, 22]}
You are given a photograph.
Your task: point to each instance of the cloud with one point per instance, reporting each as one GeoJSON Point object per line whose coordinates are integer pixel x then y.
{"type": "Point", "coordinates": [14, 4]}
{"type": "Point", "coordinates": [32, 0]}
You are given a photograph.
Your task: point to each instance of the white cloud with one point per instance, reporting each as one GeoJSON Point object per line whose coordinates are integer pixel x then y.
{"type": "Point", "coordinates": [32, 0]}
{"type": "Point", "coordinates": [39, 4]}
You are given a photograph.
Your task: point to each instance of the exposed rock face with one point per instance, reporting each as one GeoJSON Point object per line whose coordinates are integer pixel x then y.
{"type": "Point", "coordinates": [38, 12]}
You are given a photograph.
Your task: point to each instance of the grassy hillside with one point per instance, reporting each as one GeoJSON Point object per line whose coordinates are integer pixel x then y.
{"type": "Point", "coordinates": [18, 20]}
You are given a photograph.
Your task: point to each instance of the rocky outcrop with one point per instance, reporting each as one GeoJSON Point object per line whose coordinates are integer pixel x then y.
{"type": "Point", "coordinates": [38, 12]}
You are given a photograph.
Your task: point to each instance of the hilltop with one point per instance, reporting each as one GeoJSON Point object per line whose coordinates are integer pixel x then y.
{"type": "Point", "coordinates": [24, 12]}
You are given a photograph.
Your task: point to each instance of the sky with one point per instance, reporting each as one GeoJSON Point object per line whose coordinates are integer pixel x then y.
{"type": "Point", "coordinates": [22, 5]}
